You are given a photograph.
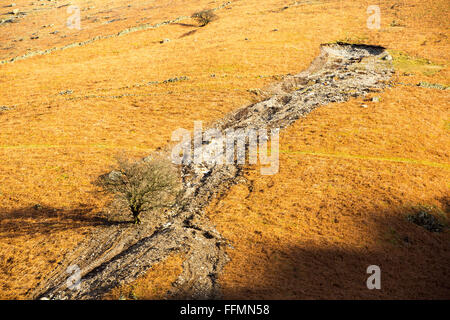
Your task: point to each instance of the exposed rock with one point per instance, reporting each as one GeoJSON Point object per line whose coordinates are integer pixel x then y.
{"type": "Point", "coordinates": [114, 175]}
{"type": "Point", "coordinates": [376, 99]}
{"type": "Point", "coordinates": [426, 220]}
{"type": "Point", "coordinates": [176, 79]}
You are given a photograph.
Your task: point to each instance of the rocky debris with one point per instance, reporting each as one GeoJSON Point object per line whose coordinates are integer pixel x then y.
{"type": "Point", "coordinates": [137, 85]}
{"type": "Point", "coordinates": [6, 108]}
{"type": "Point", "coordinates": [15, 15]}
{"type": "Point", "coordinates": [376, 99]}
{"type": "Point", "coordinates": [341, 71]}
{"type": "Point", "coordinates": [114, 175]}
{"type": "Point", "coordinates": [65, 92]}
{"type": "Point", "coordinates": [11, 20]}
{"type": "Point", "coordinates": [141, 27]}
{"type": "Point", "coordinates": [164, 41]}
{"type": "Point", "coordinates": [119, 254]}
{"type": "Point", "coordinates": [176, 79]}
{"type": "Point", "coordinates": [426, 220]}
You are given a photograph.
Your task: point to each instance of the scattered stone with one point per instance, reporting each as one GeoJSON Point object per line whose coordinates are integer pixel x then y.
{"type": "Point", "coordinates": [113, 20]}
{"type": "Point", "coordinates": [274, 30]}
{"type": "Point", "coordinates": [114, 175]}
{"type": "Point", "coordinates": [426, 220]}
{"type": "Point", "coordinates": [428, 85]}
{"type": "Point", "coordinates": [176, 79]}
{"type": "Point", "coordinates": [15, 12]}
{"type": "Point", "coordinates": [164, 41]}
{"type": "Point", "coordinates": [376, 99]}
{"type": "Point", "coordinates": [255, 91]}
{"type": "Point", "coordinates": [364, 106]}
{"type": "Point", "coordinates": [66, 92]}
{"type": "Point", "coordinates": [7, 21]}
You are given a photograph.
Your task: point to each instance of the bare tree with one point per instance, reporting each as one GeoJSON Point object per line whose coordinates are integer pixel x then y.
{"type": "Point", "coordinates": [142, 186]}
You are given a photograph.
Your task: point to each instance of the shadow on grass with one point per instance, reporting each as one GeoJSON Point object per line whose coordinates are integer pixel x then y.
{"type": "Point", "coordinates": [186, 24]}
{"type": "Point", "coordinates": [414, 263]}
{"type": "Point", "coordinates": [46, 220]}
{"type": "Point", "coordinates": [188, 33]}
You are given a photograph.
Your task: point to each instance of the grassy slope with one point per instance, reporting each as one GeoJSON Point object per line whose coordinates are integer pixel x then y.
{"type": "Point", "coordinates": [348, 178]}
{"type": "Point", "coordinates": [51, 147]}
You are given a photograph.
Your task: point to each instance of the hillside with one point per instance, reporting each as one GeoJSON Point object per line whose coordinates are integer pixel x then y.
{"type": "Point", "coordinates": [349, 175]}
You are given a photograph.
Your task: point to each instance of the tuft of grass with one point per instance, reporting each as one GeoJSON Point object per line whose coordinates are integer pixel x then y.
{"type": "Point", "coordinates": [407, 64]}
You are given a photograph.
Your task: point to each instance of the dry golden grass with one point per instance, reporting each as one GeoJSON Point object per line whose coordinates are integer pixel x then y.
{"type": "Point", "coordinates": [154, 285]}
{"type": "Point", "coordinates": [53, 146]}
